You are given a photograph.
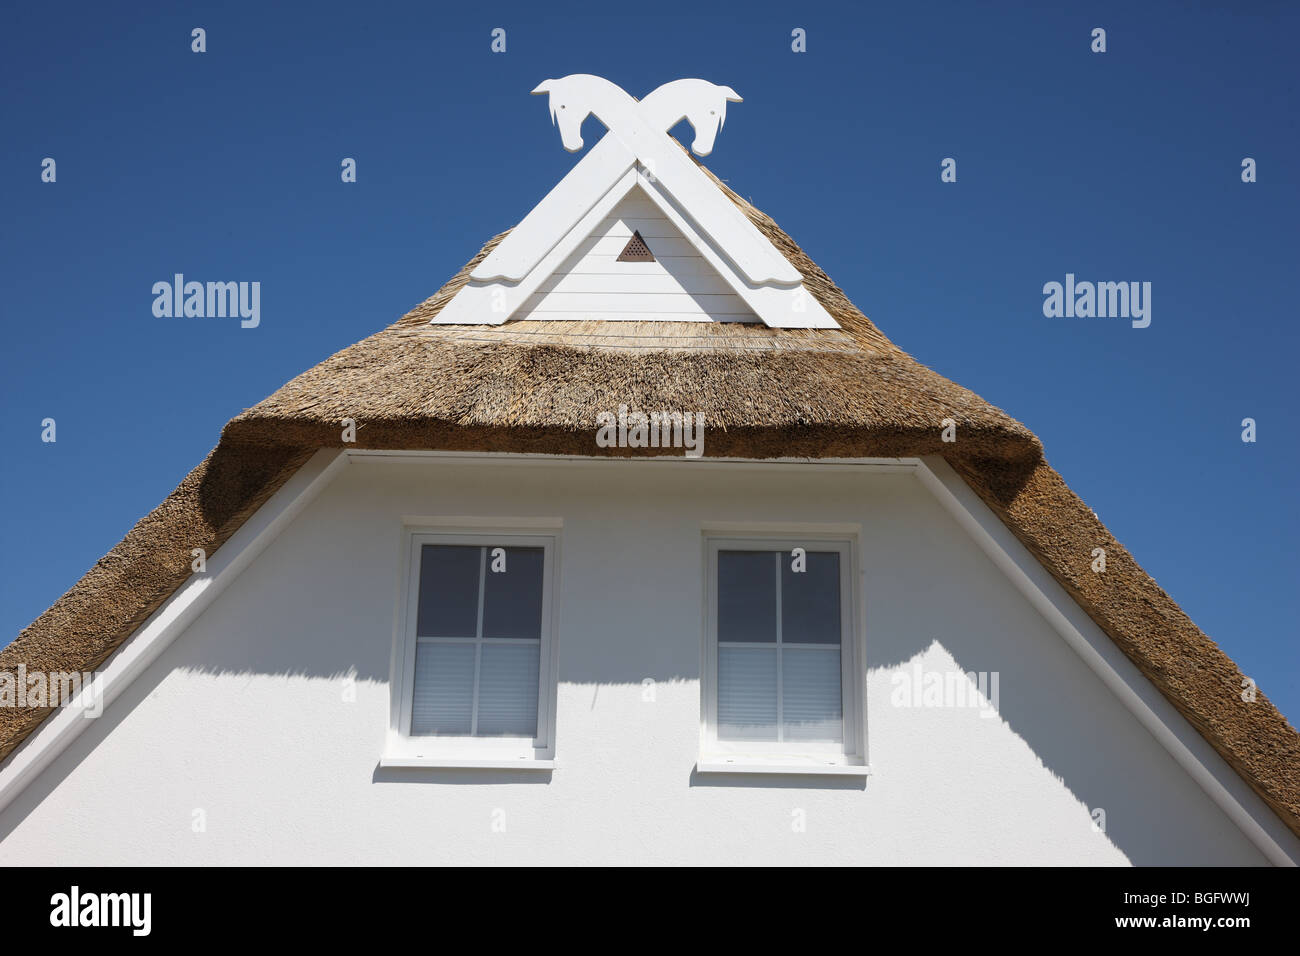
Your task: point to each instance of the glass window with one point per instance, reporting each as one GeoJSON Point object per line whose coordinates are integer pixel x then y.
{"type": "Point", "coordinates": [779, 620]}
{"type": "Point", "coordinates": [478, 640]}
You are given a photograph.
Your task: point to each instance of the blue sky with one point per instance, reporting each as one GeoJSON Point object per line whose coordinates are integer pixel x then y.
{"type": "Point", "coordinates": [1116, 166]}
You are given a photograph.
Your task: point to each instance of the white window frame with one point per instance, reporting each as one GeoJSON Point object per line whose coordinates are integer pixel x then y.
{"type": "Point", "coordinates": [404, 749]}
{"type": "Point", "coordinates": [848, 757]}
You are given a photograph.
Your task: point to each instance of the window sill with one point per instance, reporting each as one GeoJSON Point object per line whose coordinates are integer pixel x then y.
{"type": "Point", "coordinates": [468, 763]}
{"type": "Point", "coordinates": [780, 767]}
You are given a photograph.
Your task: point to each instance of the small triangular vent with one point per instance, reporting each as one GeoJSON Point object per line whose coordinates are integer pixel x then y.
{"type": "Point", "coordinates": [636, 250]}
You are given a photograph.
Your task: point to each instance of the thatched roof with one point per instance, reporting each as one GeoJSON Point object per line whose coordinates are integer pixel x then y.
{"type": "Point", "coordinates": [533, 386]}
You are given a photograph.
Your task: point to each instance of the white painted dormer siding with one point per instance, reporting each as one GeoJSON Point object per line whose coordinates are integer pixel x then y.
{"type": "Point", "coordinates": [680, 285]}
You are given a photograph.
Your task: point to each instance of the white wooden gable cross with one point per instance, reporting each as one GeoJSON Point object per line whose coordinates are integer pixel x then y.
{"type": "Point", "coordinates": [699, 258]}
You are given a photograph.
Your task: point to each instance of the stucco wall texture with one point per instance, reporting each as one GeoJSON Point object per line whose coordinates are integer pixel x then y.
{"type": "Point", "coordinates": [244, 717]}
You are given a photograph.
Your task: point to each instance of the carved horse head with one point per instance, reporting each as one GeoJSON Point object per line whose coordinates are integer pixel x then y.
{"type": "Point", "coordinates": [571, 102]}
{"type": "Point", "coordinates": [701, 103]}
{"type": "Point", "coordinates": [575, 97]}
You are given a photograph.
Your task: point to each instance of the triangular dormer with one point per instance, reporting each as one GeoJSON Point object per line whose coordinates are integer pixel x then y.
{"type": "Point", "coordinates": [565, 259]}
{"type": "Point", "coordinates": [613, 276]}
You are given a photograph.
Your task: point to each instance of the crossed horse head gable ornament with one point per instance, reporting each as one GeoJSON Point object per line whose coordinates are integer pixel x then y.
{"type": "Point", "coordinates": [637, 152]}
{"type": "Point", "coordinates": [575, 97]}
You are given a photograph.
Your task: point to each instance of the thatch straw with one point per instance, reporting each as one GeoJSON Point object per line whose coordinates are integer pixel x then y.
{"type": "Point", "coordinates": [650, 336]}
{"type": "Point", "coordinates": [774, 392]}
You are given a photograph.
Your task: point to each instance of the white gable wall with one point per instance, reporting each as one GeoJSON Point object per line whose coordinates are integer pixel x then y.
{"type": "Point", "coordinates": [680, 285]}
{"type": "Point", "coordinates": [245, 717]}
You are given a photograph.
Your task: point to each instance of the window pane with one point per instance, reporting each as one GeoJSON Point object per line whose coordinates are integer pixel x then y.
{"type": "Point", "coordinates": [448, 591]}
{"type": "Point", "coordinates": [512, 599]}
{"type": "Point", "coordinates": [444, 688]}
{"type": "Point", "coordinates": [746, 596]}
{"type": "Point", "coordinates": [747, 691]}
{"type": "Point", "coordinates": [810, 600]}
{"type": "Point", "coordinates": [507, 690]}
{"type": "Point", "coordinates": [810, 694]}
